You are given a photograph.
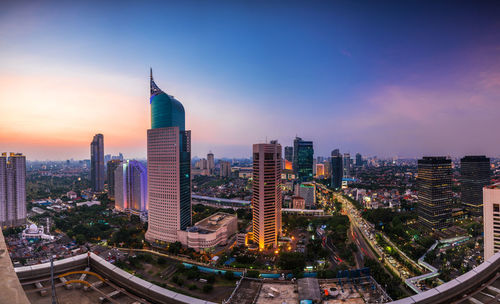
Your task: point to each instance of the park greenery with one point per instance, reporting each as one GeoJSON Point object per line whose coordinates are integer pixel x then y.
{"type": "Point", "coordinates": [335, 231]}
{"type": "Point", "coordinates": [40, 187]}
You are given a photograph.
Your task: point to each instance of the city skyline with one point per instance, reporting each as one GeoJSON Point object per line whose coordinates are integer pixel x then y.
{"type": "Point", "coordinates": [402, 87]}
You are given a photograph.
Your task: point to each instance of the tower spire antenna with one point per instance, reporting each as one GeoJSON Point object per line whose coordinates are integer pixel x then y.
{"type": "Point", "coordinates": [151, 73]}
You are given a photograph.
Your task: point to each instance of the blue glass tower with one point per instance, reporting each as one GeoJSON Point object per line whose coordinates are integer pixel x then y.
{"type": "Point", "coordinates": [166, 111]}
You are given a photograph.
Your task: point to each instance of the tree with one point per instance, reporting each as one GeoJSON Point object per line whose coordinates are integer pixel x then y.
{"type": "Point", "coordinates": [211, 278]}
{"type": "Point", "coordinates": [253, 274]}
{"type": "Point", "coordinates": [193, 273]}
{"type": "Point", "coordinates": [291, 260]}
{"type": "Point", "coordinates": [207, 288]}
{"type": "Point", "coordinates": [229, 275]}
{"type": "Point", "coordinates": [175, 248]}
{"type": "Point", "coordinates": [80, 239]}
{"type": "Point", "coordinates": [162, 261]}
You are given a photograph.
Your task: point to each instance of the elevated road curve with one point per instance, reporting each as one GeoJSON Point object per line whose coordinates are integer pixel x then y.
{"type": "Point", "coordinates": [481, 285]}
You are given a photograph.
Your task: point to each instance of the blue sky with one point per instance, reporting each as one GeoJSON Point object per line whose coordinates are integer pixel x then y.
{"type": "Point", "coordinates": [380, 78]}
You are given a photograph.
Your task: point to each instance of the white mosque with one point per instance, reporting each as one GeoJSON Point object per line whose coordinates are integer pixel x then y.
{"type": "Point", "coordinates": [34, 232]}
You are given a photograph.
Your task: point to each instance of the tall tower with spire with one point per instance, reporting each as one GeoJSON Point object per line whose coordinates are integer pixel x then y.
{"type": "Point", "coordinates": [169, 170]}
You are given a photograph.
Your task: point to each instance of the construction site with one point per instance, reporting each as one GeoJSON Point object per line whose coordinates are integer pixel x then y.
{"type": "Point", "coordinates": [308, 290]}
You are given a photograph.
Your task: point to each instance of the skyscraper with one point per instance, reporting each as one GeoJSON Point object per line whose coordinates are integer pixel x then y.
{"type": "Point", "coordinates": [266, 196]}
{"type": "Point", "coordinates": [475, 174]}
{"type": "Point", "coordinates": [328, 167]}
{"type": "Point", "coordinates": [169, 170]}
{"type": "Point", "coordinates": [211, 163]}
{"type": "Point", "coordinates": [347, 164]}
{"type": "Point", "coordinates": [225, 169]}
{"type": "Point", "coordinates": [337, 169]}
{"type": "Point", "coordinates": [111, 167]}
{"type": "Point", "coordinates": [289, 154]}
{"type": "Point", "coordinates": [131, 183]}
{"type": "Point", "coordinates": [97, 163]}
{"type": "Point", "coordinates": [359, 160]}
{"type": "Point", "coordinates": [434, 192]}
{"type": "Point", "coordinates": [303, 155]}
{"type": "Point", "coordinates": [12, 190]}
{"type": "Point", "coordinates": [491, 220]}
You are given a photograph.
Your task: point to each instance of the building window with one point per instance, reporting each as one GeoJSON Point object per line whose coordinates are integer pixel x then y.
{"type": "Point", "coordinates": [496, 208]}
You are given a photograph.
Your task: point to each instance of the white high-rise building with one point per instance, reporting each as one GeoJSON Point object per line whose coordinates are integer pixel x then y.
{"type": "Point", "coordinates": [131, 187]}
{"type": "Point", "coordinates": [12, 190]}
{"type": "Point", "coordinates": [491, 220]}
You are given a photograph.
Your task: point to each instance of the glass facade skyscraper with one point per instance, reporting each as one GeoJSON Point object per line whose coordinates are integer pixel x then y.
{"type": "Point", "coordinates": [169, 170]}
{"type": "Point", "coordinates": [359, 160]}
{"type": "Point", "coordinates": [475, 174]}
{"type": "Point", "coordinates": [303, 159]}
{"type": "Point", "coordinates": [97, 163]}
{"type": "Point", "coordinates": [434, 192]}
{"type": "Point", "coordinates": [337, 170]}
{"type": "Point", "coordinates": [289, 154]}
{"type": "Point", "coordinates": [111, 167]}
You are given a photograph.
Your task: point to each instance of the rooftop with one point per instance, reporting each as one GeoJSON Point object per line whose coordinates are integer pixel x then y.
{"type": "Point", "coordinates": [215, 221]}
{"type": "Point", "coordinates": [495, 186]}
{"type": "Point", "coordinates": [309, 289]}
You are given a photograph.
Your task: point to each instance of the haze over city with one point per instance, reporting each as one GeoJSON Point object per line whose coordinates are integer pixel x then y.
{"type": "Point", "coordinates": [416, 78]}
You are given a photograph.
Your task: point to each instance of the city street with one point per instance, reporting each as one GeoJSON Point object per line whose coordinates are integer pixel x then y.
{"type": "Point", "coordinates": [367, 234]}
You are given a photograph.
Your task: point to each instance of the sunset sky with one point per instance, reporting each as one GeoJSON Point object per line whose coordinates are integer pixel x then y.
{"type": "Point", "coordinates": [381, 78]}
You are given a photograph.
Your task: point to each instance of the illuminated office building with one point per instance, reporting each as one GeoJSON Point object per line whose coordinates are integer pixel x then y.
{"type": "Point", "coordinates": [266, 196]}
{"type": "Point", "coordinates": [169, 170]}
{"type": "Point", "coordinates": [303, 156]}
{"type": "Point", "coordinates": [434, 192]}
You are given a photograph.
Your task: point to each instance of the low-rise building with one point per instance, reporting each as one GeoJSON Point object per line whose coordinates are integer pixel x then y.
{"type": "Point", "coordinates": [241, 239]}
{"type": "Point", "coordinates": [88, 203]}
{"type": "Point", "coordinates": [210, 232]}
{"type": "Point", "coordinates": [308, 192]}
{"type": "Point", "coordinates": [71, 195]}
{"type": "Point", "coordinates": [298, 202]}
